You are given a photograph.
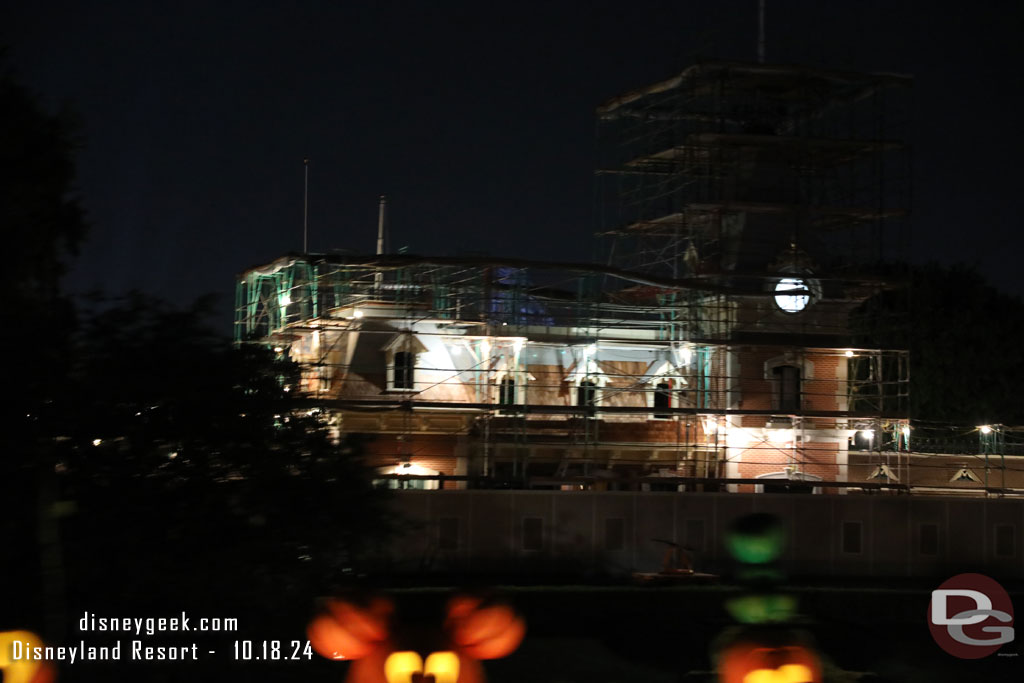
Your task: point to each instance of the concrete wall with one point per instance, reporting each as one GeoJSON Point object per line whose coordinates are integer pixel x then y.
{"type": "Point", "coordinates": [898, 536]}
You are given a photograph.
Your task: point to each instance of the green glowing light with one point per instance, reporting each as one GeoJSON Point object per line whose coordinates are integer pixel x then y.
{"type": "Point", "coordinates": [762, 609]}
{"type": "Point", "coordinates": [756, 539]}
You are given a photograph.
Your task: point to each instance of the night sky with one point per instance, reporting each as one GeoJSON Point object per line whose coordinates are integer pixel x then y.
{"type": "Point", "coordinates": [476, 119]}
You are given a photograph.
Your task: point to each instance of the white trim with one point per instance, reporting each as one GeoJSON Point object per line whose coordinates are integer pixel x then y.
{"type": "Point", "coordinates": [883, 471]}
{"type": "Point", "coordinates": [964, 474]}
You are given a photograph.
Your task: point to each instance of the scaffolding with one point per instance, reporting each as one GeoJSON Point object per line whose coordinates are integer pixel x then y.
{"type": "Point", "coordinates": [762, 178]}
{"type": "Point", "coordinates": [540, 369]}
{"type": "Point", "coordinates": [729, 166]}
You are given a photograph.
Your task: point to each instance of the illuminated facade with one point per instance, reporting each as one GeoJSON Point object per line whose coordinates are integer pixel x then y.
{"type": "Point", "coordinates": [468, 369]}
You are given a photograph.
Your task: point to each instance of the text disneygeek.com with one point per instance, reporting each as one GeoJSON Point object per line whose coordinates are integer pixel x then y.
{"type": "Point", "coordinates": [137, 649]}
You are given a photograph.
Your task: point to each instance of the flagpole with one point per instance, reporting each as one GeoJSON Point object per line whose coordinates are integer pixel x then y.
{"type": "Point", "coordinates": [305, 209]}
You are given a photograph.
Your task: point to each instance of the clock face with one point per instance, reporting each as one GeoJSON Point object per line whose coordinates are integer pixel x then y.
{"type": "Point", "coordinates": [792, 294]}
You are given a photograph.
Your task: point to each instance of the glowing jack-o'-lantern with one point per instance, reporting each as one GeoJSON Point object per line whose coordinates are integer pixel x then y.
{"type": "Point", "coordinates": [756, 539]}
{"type": "Point", "coordinates": [17, 662]}
{"type": "Point", "coordinates": [471, 631]}
{"type": "Point", "coordinates": [749, 662]}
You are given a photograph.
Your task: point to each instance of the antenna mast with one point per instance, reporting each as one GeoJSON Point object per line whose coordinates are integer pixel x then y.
{"type": "Point", "coordinates": [381, 208]}
{"type": "Point", "coordinates": [760, 31]}
{"type": "Point", "coordinates": [305, 209]}
{"type": "Point", "coordinates": [380, 224]}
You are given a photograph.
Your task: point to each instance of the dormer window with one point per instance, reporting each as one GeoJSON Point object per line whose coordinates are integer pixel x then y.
{"type": "Point", "coordinates": [662, 401]}
{"type": "Point", "coordinates": [404, 366]}
{"type": "Point", "coordinates": [507, 391]}
{"type": "Point", "coordinates": [402, 353]}
{"type": "Point", "coordinates": [586, 395]}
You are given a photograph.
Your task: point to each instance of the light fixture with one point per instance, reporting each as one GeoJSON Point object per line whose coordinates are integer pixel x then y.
{"type": "Point", "coordinates": [737, 437]}
{"type": "Point", "coordinates": [868, 434]}
{"type": "Point", "coordinates": [286, 299]}
{"type": "Point", "coordinates": [278, 349]}
{"type": "Point", "coordinates": [97, 442]}
{"type": "Point", "coordinates": [906, 430]}
{"type": "Point", "coordinates": [985, 429]}
{"type": "Point", "coordinates": [849, 353]}
{"type": "Point", "coordinates": [357, 313]}
{"type": "Point", "coordinates": [710, 425]}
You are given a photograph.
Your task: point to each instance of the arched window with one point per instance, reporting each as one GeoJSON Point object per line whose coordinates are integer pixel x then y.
{"type": "Point", "coordinates": [662, 400]}
{"type": "Point", "coordinates": [786, 389]}
{"type": "Point", "coordinates": [405, 365]}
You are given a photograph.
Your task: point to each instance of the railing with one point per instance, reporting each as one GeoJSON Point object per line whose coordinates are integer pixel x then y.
{"type": "Point", "coordinates": [690, 484]}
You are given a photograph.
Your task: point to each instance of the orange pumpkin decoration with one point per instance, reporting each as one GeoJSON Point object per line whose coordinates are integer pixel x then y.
{"type": "Point", "coordinates": [23, 670]}
{"type": "Point", "coordinates": [750, 661]}
{"type": "Point", "coordinates": [484, 632]}
{"type": "Point", "coordinates": [472, 630]}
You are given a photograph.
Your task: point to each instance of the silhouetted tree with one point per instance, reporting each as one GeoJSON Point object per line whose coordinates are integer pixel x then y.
{"type": "Point", "coordinates": [966, 359]}
{"type": "Point", "coordinates": [43, 226]}
{"type": "Point", "coordinates": [192, 467]}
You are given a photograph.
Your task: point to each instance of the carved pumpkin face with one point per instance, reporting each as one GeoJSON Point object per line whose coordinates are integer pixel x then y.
{"type": "Point", "coordinates": [15, 646]}
{"type": "Point", "coordinates": [749, 662]}
{"type": "Point", "coordinates": [382, 651]}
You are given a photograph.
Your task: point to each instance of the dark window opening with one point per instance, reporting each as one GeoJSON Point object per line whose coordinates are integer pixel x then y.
{"type": "Point", "coordinates": [405, 362]}
{"type": "Point", "coordinates": [662, 401]}
{"type": "Point", "coordinates": [448, 533]}
{"type": "Point", "coordinates": [851, 538]}
{"type": "Point", "coordinates": [1004, 540]}
{"type": "Point", "coordinates": [586, 395]}
{"type": "Point", "coordinates": [533, 533]}
{"type": "Point", "coordinates": [787, 387]}
{"type": "Point", "coordinates": [695, 534]}
{"type": "Point", "coordinates": [614, 533]}
{"type": "Point", "coordinates": [929, 539]}
{"type": "Point", "coordinates": [507, 391]}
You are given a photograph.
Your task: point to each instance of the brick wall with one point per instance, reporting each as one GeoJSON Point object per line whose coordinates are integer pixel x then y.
{"type": "Point", "coordinates": [820, 388]}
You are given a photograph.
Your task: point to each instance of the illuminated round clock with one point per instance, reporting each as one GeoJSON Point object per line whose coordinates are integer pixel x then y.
{"type": "Point", "coordinates": [792, 294]}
